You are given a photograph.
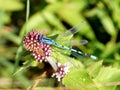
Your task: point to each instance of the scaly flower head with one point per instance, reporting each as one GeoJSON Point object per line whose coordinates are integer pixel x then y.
{"type": "Point", "coordinates": [40, 50]}
{"type": "Point", "coordinates": [31, 42]}
{"type": "Point", "coordinates": [61, 72]}
{"type": "Point", "coordinates": [43, 52]}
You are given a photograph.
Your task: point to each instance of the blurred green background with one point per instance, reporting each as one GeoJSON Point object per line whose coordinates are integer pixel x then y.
{"type": "Point", "coordinates": [102, 30]}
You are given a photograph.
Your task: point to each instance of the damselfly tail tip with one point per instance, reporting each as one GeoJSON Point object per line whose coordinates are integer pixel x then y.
{"type": "Point", "coordinates": [94, 57]}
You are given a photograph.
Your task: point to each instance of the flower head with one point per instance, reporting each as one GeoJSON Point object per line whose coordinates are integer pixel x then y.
{"type": "Point", "coordinates": [31, 41]}
{"type": "Point", "coordinates": [39, 49]}
{"type": "Point", "coordinates": [62, 71]}
{"type": "Point", "coordinates": [43, 52]}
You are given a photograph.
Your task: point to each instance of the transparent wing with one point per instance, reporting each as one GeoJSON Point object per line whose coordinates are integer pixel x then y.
{"type": "Point", "coordinates": [83, 42]}
{"type": "Point", "coordinates": [63, 57]}
{"type": "Point", "coordinates": [73, 30]}
{"type": "Point", "coordinates": [78, 43]}
{"type": "Point", "coordinates": [65, 38]}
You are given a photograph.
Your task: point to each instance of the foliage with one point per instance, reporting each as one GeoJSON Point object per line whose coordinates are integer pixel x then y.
{"type": "Point", "coordinates": [53, 17]}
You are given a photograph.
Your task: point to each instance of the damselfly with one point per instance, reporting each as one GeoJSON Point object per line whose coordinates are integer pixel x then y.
{"type": "Point", "coordinates": [72, 31]}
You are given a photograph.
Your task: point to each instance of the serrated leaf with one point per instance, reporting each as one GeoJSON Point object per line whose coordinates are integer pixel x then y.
{"type": "Point", "coordinates": [93, 70]}
{"type": "Point", "coordinates": [78, 79]}
{"type": "Point", "coordinates": [107, 74]}
{"type": "Point", "coordinates": [108, 78]}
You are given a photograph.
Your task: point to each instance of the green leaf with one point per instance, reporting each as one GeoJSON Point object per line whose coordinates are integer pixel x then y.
{"type": "Point", "coordinates": [94, 69]}
{"type": "Point", "coordinates": [78, 79]}
{"type": "Point", "coordinates": [107, 78]}
{"type": "Point", "coordinates": [53, 20]}
{"type": "Point", "coordinates": [11, 5]}
{"type": "Point", "coordinates": [35, 22]}
{"type": "Point", "coordinates": [106, 21]}
{"type": "Point", "coordinates": [4, 17]}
